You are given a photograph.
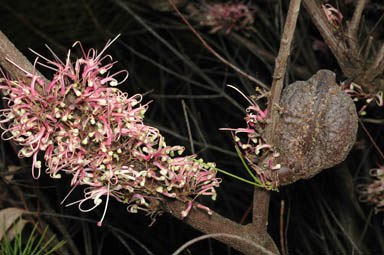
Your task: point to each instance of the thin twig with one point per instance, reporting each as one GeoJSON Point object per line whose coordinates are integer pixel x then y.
{"type": "Point", "coordinates": [374, 121]}
{"type": "Point", "coordinates": [280, 67]}
{"type": "Point", "coordinates": [286, 227]}
{"type": "Point", "coordinates": [8, 51]}
{"type": "Point", "coordinates": [258, 82]}
{"type": "Point", "coordinates": [371, 139]}
{"type": "Point", "coordinates": [367, 48]}
{"type": "Point", "coordinates": [203, 144]}
{"type": "Point", "coordinates": [282, 208]}
{"type": "Point", "coordinates": [354, 25]}
{"type": "Point", "coordinates": [245, 215]}
{"type": "Point", "coordinates": [216, 235]}
{"type": "Point", "coordinates": [188, 126]}
{"type": "Point", "coordinates": [373, 29]}
{"type": "Point", "coordinates": [377, 65]}
{"type": "Point", "coordinates": [261, 53]}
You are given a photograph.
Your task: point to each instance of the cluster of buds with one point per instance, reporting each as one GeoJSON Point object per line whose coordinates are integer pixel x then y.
{"type": "Point", "coordinates": [254, 147]}
{"type": "Point", "coordinates": [373, 193]}
{"type": "Point", "coordinates": [333, 15]}
{"type": "Point", "coordinates": [96, 134]}
{"type": "Point", "coordinates": [358, 94]}
{"type": "Point", "coordinates": [226, 17]}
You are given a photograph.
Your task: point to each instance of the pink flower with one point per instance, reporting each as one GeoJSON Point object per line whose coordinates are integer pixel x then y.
{"type": "Point", "coordinates": [96, 134]}
{"type": "Point", "coordinates": [358, 94]}
{"type": "Point", "coordinates": [333, 15]}
{"type": "Point", "coordinates": [250, 139]}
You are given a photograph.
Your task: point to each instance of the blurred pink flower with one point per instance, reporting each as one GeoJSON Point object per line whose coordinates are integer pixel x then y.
{"type": "Point", "coordinates": [226, 16]}
{"type": "Point", "coordinates": [373, 193]}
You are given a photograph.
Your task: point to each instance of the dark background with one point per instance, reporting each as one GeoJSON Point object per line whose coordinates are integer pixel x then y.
{"type": "Point", "coordinates": [168, 64]}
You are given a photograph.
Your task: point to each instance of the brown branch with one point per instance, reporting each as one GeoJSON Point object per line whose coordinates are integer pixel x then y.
{"type": "Point", "coordinates": [10, 52]}
{"type": "Point", "coordinates": [337, 47]}
{"type": "Point", "coordinates": [280, 67]}
{"type": "Point", "coordinates": [216, 223]}
{"type": "Point", "coordinates": [260, 215]}
{"type": "Point", "coordinates": [347, 50]}
{"type": "Point", "coordinates": [377, 66]}
{"type": "Point", "coordinates": [354, 25]}
{"type": "Point", "coordinates": [368, 48]}
{"type": "Point", "coordinates": [261, 198]}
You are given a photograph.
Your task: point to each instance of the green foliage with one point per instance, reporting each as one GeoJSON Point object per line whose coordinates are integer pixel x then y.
{"type": "Point", "coordinates": [35, 244]}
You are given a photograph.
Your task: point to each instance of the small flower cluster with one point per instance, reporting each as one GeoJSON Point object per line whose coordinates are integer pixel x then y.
{"type": "Point", "coordinates": [227, 16]}
{"type": "Point", "coordinates": [357, 94]}
{"type": "Point", "coordinates": [96, 134]}
{"type": "Point", "coordinates": [373, 193]}
{"type": "Point", "coordinates": [333, 15]}
{"type": "Point", "coordinates": [255, 146]}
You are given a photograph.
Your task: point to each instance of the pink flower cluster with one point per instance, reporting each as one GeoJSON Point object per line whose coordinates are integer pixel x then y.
{"type": "Point", "coordinates": [96, 134]}
{"type": "Point", "coordinates": [254, 145]}
{"type": "Point", "coordinates": [373, 193]}
{"type": "Point", "coordinates": [226, 16]}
